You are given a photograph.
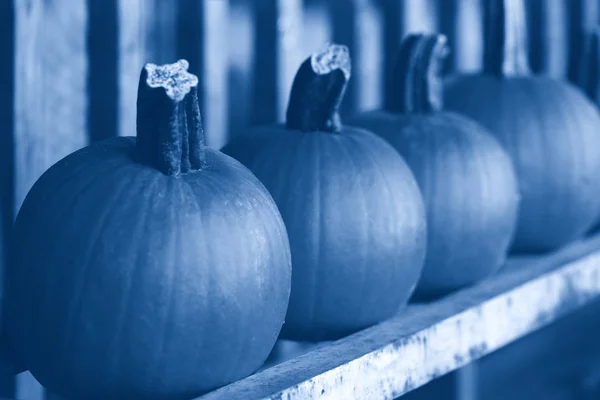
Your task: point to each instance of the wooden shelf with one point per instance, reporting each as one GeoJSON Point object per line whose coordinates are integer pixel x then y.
{"type": "Point", "coordinates": [427, 341]}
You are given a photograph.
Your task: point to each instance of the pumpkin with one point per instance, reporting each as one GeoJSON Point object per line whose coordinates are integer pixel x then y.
{"type": "Point", "coordinates": [150, 267]}
{"type": "Point", "coordinates": [353, 211]}
{"type": "Point", "coordinates": [549, 128]}
{"type": "Point", "coordinates": [466, 178]}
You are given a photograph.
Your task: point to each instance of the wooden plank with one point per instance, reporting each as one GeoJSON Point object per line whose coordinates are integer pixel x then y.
{"type": "Point", "coordinates": [583, 18]}
{"type": "Point", "coordinates": [277, 56]}
{"type": "Point", "coordinates": [50, 86]}
{"type": "Point", "coordinates": [240, 70]}
{"type": "Point", "coordinates": [7, 198]}
{"type": "Point", "coordinates": [460, 21]}
{"type": "Point", "coordinates": [7, 75]}
{"type": "Point", "coordinates": [103, 81]}
{"type": "Point", "coordinates": [50, 99]}
{"type": "Point", "coordinates": [214, 69]}
{"type": "Point", "coordinates": [359, 25]}
{"type": "Point", "coordinates": [548, 37]}
{"type": "Point", "coordinates": [430, 340]}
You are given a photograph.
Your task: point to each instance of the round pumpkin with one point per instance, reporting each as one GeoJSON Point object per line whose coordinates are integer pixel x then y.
{"type": "Point", "coordinates": [152, 268]}
{"type": "Point", "coordinates": [466, 178]}
{"type": "Point", "coordinates": [352, 208]}
{"type": "Point", "coordinates": [549, 128]}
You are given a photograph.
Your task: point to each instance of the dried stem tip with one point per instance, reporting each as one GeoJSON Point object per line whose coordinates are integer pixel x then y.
{"type": "Point", "coordinates": [174, 78]}
{"type": "Point", "coordinates": [318, 90]}
{"type": "Point", "coordinates": [169, 126]}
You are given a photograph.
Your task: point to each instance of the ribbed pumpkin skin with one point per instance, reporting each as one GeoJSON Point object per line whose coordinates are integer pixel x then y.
{"type": "Point", "coordinates": [470, 193]}
{"type": "Point", "coordinates": [121, 269]}
{"type": "Point", "coordinates": [552, 134]}
{"type": "Point", "coordinates": [355, 220]}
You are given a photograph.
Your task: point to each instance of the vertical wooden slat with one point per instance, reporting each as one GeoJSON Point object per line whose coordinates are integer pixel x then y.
{"type": "Point", "coordinates": [103, 84]}
{"type": "Point", "coordinates": [50, 102]}
{"type": "Point", "coordinates": [147, 33]}
{"type": "Point", "coordinates": [460, 21]}
{"type": "Point", "coordinates": [7, 75]}
{"type": "Point", "coordinates": [317, 29]}
{"type": "Point", "coordinates": [400, 18]}
{"type": "Point", "coordinates": [548, 37]}
{"type": "Point", "coordinates": [240, 55]}
{"type": "Point", "coordinates": [583, 18]}
{"type": "Point", "coordinates": [50, 86]}
{"type": "Point", "coordinates": [214, 69]}
{"type": "Point", "coordinates": [277, 56]}
{"type": "Point", "coordinates": [358, 24]}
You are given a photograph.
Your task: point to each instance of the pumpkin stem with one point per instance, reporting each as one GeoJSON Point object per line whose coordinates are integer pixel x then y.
{"type": "Point", "coordinates": [588, 73]}
{"type": "Point", "coordinates": [417, 83]}
{"type": "Point", "coordinates": [505, 42]}
{"type": "Point", "coordinates": [318, 90]}
{"type": "Point", "coordinates": [169, 126]}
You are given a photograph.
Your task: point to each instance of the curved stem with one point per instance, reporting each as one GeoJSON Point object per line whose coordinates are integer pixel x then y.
{"type": "Point", "coordinates": [318, 90]}
{"type": "Point", "coordinates": [417, 83]}
{"type": "Point", "coordinates": [588, 74]}
{"type": "Point", "coordinates": [169, 126]}
{"type": "Point", "coordinates": [505, 43]}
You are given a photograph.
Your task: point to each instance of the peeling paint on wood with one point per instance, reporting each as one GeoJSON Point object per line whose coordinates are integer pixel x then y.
{"type": "Point", "coordinates": [429, 340]}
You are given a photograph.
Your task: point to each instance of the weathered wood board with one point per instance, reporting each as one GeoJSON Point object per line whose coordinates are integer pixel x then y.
{"type": "Point", "coordinates": [429, 340]}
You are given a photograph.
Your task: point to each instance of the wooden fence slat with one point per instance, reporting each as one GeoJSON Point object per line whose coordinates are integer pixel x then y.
{"type": "Point", "coordinates": [358, 24]}
{"type": "Point", "coordinates": [103, 84]}
{"type": "Point", "coordinates": [50, 86]}
{"type": "Point", "coordinates": [460, 21]}
{"type": "Point", "coordinates": [583, 17]}
{"type": "Point", "coordinates": [7, 381]}
{"type": "Point", "coordinates": [50, 101]}
{"type": "Point", "coordinates": [277, 56]}
{"type": "Point", "coordinates": [548, 37]}
{"type": "Point", "coordinates": [214, 70]}
{"type": "Point", "coordinates": [240, 59]}
{"type": "Point", "coordinates": [317, 29]}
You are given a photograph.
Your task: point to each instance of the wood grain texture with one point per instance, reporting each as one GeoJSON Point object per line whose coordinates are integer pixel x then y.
{"type": "Point", "coordinates": [430, 340]}
{"type": "Point", "coordinates": [277, 52]}
{"type": "Point", "coordinates": [50, 86]}
{"type": "Point", "coordinates": [50, 101]}
{"type": "Point", "coordinates": [359, 25]}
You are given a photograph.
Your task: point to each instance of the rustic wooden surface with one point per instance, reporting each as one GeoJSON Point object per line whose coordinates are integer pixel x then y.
{"type": "Point", "coordinates": [429, 340]}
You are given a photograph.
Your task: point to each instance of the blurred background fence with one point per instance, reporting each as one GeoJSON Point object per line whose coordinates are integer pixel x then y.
{"type": "Point", "coordinates": [69, 68]}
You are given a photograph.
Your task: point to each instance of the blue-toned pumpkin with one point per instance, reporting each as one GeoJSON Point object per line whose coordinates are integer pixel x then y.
{"type": "Point", "coordinates": [549, 128]}
{"type": "Point", "coordinates": [352, 208]}
{"type": "Point", "coordinates": [466, 178]}
{"type": "Point", "coordinates": [152, 268]}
